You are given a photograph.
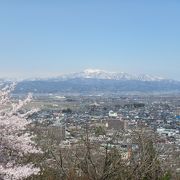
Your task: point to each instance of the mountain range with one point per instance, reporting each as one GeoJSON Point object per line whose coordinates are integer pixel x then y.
{"type": "Point", "coordinates": [101, 74]}
{"type": "Point", "coordinates": [95, 80]}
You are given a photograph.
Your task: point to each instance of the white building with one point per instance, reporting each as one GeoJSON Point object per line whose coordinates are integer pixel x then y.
{"type": "Point", "coordinates": [112, 114]}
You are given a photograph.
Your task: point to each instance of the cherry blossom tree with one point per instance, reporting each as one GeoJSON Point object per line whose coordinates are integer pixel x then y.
{"type": "Point", "coordinates": [15, 140]}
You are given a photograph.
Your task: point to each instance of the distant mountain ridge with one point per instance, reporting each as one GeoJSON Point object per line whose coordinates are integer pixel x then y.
{"type": "Point", "coordinates": [98, 81]}
{"type": "Point", "coordinates": [101, 74]}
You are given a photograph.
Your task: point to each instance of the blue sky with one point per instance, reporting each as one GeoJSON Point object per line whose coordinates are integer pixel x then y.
{"type": "Point", "coordinates": [50, 37]}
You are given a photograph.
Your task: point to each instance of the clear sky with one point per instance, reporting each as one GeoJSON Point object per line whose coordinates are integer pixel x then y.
{"type": "Point", "coordinates": [50, 37]}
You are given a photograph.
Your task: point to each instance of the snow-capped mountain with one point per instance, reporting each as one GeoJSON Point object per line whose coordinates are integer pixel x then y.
{"type": "Point", "coordinates": [101, 74]}
{"type": "Point", "coordinates": [98, 81]}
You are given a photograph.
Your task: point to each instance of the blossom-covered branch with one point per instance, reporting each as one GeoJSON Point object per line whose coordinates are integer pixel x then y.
{"type": "Point", "coordinates": [15, 140]}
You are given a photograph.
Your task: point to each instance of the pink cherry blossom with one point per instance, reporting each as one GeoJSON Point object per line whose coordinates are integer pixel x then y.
{"type": "Point", "coordinates": [15, 141]}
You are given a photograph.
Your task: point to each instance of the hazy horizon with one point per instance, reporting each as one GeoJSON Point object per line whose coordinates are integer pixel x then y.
{"type": "Point", "coordinates": [50, 38]}
{"type": "Point", "coordinates": [17, 77]}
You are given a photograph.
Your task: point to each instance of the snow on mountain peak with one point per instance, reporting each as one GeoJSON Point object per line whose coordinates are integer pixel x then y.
{"type": "Point", "coordinates": [92, 71]}
{"type": "Point", "coordinates": [101, 74]}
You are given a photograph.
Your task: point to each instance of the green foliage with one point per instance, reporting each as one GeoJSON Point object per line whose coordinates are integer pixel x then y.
{"type": "Point", "coordinates": [67, 111]}
{"type": "Point", "coordinates": [167, 176]}
{"type": "Point", "coordinates": [100, 131]}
